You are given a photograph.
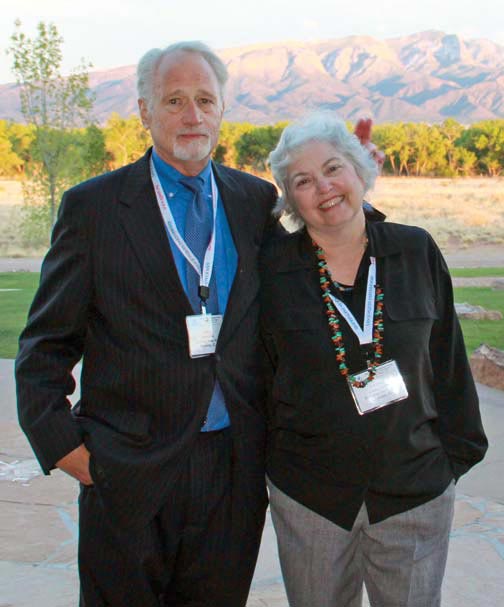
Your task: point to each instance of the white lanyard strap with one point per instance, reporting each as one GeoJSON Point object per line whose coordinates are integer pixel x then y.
{"type": "Point", "coordinates": [365, 335]}
{"type": "Point", "coordinates": [180, 243]}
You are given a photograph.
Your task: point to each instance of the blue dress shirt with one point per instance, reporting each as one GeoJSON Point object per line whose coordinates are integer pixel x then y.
{"type": "Point", "coordinates": [225, 260]}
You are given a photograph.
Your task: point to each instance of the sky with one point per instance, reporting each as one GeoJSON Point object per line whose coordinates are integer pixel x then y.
{"type": "Point", "coordinates": [114, 33]}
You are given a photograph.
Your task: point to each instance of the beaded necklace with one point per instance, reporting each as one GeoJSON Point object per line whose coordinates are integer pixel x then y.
{"type": "Point", "coordinates": [334, 325]}
{"type": "Point", "coordinates": [342, 288]}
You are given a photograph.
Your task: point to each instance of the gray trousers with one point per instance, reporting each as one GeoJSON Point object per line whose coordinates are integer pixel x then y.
{"type": "Point", "coordinates": [401, 560]}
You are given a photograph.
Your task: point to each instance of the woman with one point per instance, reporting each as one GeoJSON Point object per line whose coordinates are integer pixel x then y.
{"type": "Point", "coordinates": [373, 409]}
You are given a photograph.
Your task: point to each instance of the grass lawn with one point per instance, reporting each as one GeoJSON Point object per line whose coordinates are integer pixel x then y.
{"type": "Point", "coordinates": [14, 309]}
{"type": "Point", "coordinates": [476, 332]}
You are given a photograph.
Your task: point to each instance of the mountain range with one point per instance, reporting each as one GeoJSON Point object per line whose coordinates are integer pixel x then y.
{"type": "Point", "coordinates": [428, 77]}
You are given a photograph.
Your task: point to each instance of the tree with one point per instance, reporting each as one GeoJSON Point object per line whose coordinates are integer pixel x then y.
{"type": "Point", "coordinates": [89, 155]}
{"type": "Point", "coordinates": [486, 140]}
{"type": "Point", "coordinates": [428, 150]}
{"type": "Point", "coordinates": [254, 146]}
{"type": "Point", "coordinates": [126, 139]}
{"type": "Point", "coordinates": [10, 163]}
{"type": "Point", "coordinates": [21, 137]}
{"type": "Point", "coordinates": [53, 105]}
{"type": "Point", "coordinates": [464, 161]}
{"type": "Point", "coordinates": [392, 140]}
{"type": "Point", "coordinates": [451, 130]}
{"type": "Point", "coordinates": [230, 132]}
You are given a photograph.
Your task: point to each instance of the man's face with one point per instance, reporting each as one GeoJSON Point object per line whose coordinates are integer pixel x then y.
{"type": "Point", "coordinates": [186, 111]}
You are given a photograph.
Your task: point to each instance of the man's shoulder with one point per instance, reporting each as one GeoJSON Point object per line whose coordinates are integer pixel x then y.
{"type": "Point", "coordinates": [242, 178]}
{"type": "Point", "coordinates": [110, 179]}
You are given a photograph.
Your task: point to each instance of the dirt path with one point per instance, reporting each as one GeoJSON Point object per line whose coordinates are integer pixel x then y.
{"type": "Point", "coordinates": [477, 256]}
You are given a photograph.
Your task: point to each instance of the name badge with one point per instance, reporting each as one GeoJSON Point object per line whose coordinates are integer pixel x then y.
{"type": "Point", "coordinates": [386, 388]}
{"type": "Point", "coordinates": [203, 332]}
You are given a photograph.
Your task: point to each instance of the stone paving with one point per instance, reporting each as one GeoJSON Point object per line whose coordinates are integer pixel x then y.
{"type": "Point", "coordinates": [38, 525]}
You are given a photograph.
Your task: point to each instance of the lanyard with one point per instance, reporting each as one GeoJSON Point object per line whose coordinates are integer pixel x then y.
{"type": "Point", "coordinates": [365, 334]}
{"type": "Point", "coordinates": [180, 243]}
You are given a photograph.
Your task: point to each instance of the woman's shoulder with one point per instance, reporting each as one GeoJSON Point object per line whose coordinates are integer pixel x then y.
{"type": "Point", "coordinates": [282, 241]}
{"type": "Point", "coordinates": [413, 243]}
{"type": "Point", "coordinates": [406, 235]}
{"type": "Point", "coordinates": [284, 247]}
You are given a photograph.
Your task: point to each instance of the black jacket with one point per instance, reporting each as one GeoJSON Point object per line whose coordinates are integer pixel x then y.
{"type": "Point", "coordinates": [110, 293]}
{"type": "Point", "coordinates": [321, 451]}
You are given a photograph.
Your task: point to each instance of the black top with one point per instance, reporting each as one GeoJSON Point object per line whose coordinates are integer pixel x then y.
{"type": "Point", "coordinates": [321, 452]}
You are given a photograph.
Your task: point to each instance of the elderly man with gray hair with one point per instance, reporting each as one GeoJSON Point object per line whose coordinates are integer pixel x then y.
{"type": "Point", "coordinates": [152, 280]}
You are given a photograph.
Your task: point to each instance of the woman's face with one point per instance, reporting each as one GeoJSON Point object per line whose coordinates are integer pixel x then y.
{"type": "Point", "coordinates": [324, 186]}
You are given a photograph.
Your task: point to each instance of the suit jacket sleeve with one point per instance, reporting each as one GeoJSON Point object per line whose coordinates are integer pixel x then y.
{"type": "Point", "coordinates": [461, 429]}
{"type": "Point", "coordinates": [52, 342]}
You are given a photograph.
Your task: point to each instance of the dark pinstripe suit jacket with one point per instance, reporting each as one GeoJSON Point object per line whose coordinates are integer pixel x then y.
{"type": "Point", "coordinates": [110, 293]}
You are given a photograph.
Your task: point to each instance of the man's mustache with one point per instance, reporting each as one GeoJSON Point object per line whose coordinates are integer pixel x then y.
{"type": "Point", "coordinates": [200, 133]}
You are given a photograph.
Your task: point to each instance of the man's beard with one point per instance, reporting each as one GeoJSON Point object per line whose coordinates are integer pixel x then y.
{"type": "Point", "coordinates": [193, 150]}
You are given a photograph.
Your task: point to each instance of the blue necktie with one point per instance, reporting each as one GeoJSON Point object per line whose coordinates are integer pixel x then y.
{"type": "Point", "coordinates": [198, 230]}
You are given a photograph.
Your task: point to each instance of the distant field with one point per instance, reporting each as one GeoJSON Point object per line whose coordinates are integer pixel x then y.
{"type": "Point", "coordinates": [457, 212]}
{"type": "Point", "coordinates": [10, 202]}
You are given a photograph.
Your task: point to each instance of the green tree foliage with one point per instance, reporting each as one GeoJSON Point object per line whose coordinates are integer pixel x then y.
{"type": "Point", "coordinates": [464, 161]}
{"type": "Point", "coordinates": [230, 133]}
{"type": "Point", "coordinates": [451, 131]}
{"type": "Point", "coordinates": [393, 140]}
{"type": "Point", "coordinates": [429, 150]}
{"type": "Point", "coordinates": [54, 106]}
{"type": "Point", "coordinates": [89, 156]}
{"type": "Point", "coordinates": [445, 150]}
{"type": "Point", "coordinates": [486, 141]}
{"type": "Point", "coordinates": [126, 139]}
{"type": "Point", "coordinates": [11, 164]}
{"type": "Point", "coordinates": [21, 137]}
{"type": "Point", "coordinates": [253, 147]}
{"type": "Point", "coordinates": [85, 156]}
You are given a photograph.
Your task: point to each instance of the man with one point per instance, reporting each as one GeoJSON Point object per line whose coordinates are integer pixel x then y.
{"type": "Point", "coordinates": [151, 278]}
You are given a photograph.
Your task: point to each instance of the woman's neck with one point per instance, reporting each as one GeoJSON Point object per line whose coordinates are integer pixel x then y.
{"type": "Point", "coordinates": [343, 249]}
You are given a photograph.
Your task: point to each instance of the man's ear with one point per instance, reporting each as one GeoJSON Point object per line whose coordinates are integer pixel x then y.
{"type": "Point", "coordinates": [144, 112]}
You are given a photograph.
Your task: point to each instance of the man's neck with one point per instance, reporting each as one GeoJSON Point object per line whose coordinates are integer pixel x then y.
{"type": "Point", "coordinates": [187, 168]}
{"type": "Point", "coordinates": [167, 170]}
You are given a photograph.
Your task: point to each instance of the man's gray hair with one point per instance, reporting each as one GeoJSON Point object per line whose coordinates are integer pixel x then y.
{"type": "Point", "coordinates": [148, 64]}
{"type": "Point", "coordinates": [317, 126]}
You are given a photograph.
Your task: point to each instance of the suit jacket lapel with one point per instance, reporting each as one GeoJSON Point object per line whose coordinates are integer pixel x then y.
{"type": "Point", "coordinates": [144, 225]}
{"type": "Point", "coordinates": [238, 207]}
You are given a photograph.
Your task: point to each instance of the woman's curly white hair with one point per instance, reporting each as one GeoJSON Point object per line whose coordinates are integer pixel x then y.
{"type": "Point", "coordinates": [317, 126]}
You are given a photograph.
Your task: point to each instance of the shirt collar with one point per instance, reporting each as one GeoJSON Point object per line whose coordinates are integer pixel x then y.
{"type": "Point", "coordinates": [169, 174]}
{"type": "Point", "coordinates": [381, 243]}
